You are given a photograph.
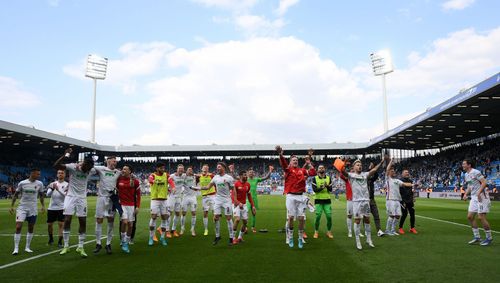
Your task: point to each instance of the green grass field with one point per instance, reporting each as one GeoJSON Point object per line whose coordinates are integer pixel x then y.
{"type": "Point", "coordinates": [439, 252]}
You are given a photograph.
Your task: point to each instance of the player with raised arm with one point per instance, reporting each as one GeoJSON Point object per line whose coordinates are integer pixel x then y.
{"type": "Point", "coordinates": [393, 199]}
{"type": "Point", "coordinates": [254, 181]}
{"type": "Point", "coordinates": [108, 175]}
{"type": "Point", "coordinates": [295, 187]}
{"type": "Point", "coordinates": [27, 191]}
{"type": "Point", "coordinates": [207, 196]}
{"type": "Point", "coordinates": [242, 187]}
{"type": "Point", "coordinates": [223, 202]}
{"type": "Point", "coordinates": [361, 199]}
{"type": "Point", "coordinates": [160, 185]}
{"type": "Point", "coordinates": [75, 201]}
{"type": "Point", "coordinates": [129, 193]}
{"type": "Point", "coordinates": [56, 191]}
{"type": "Point", "coordinates": [479, 204]}
{"type": "Point", "coordinates": [189, 200]}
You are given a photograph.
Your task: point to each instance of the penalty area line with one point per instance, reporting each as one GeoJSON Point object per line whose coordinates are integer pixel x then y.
{"type": "Point", "coordinates": [41, 255]}
{"type": "Point", "coordinates": [454, 223]}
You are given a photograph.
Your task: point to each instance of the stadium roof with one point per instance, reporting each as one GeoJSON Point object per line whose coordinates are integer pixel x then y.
{"type": "Point", "coordinates": [471, 114]}
{"type": "Point", "coordinates": [27, 138]}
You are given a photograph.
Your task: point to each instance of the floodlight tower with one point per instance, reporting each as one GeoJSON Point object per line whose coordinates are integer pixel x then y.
{"type": "Point", "coordinates": [96, 70]}
{"type": "Point", "coordinates": [382, 65]}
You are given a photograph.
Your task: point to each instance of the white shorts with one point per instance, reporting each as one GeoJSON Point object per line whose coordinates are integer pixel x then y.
{"type": "Point", "coordinates": [208, 202]}
{"type": "Point", "coordinates": [349, 208]}
{"type": "Point", "coordinates": [361, 209]}
{"type": "Point", "coordinates": [174, 203]}
{"type": "Point", "coordinates": [104, 207]}
{"type": "Point", "coordinates": [189, 201]}
{"type": "Point", "coordinates": [223, 204]}
{"type": "Point", "coordinates": [242, 213]}
{"type": "Point", "coordinates": [393, 207]}
{"type": "Point", "coordinates": [295, 205]}
{"type": "Point", "coordinates": [482, 206]}
{"type": "Point", "coordinates": [128, 213]}
{"type": "Point", "coordinates": [75, 205]}
{"type": "Point", "coordinates": [159, 206]}
{"type": "Point", "coordinates": [25, 212]}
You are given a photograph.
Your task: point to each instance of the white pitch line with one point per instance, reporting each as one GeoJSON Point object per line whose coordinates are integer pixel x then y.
{"type": "Point", "coordinates": [39, 256]}
{"type": "Point", "coordinates": [454, 223]}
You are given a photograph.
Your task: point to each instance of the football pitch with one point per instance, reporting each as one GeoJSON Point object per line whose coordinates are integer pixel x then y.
{"type": "Point", "coordinates": [438, 253]}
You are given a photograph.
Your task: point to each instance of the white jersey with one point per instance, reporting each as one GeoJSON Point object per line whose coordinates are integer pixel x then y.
{"type": "Point", "coordinates": [223, 185]}
{"type": "Point", "coordinates": [190, 181]}
{"type": "Point", "coordinates": [179, 182]}
{"type": "Point", "coordinates": [393, 192]}
{"type": "Point", "coordinates": [57, 196]}
{"type": "Point", "coordinates": [78, 180]}
{"type": "Point", "coordinates": [29, 193]}
{"type": "Point", "coordinates": [107, 180]}
{"type": "Point", "coordinates": [359, 186]}
{"type": "Point", "coordinates": [473, 180]}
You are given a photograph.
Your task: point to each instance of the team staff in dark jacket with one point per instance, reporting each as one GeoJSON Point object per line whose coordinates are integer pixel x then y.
{"type": "Point", "coordinates": [407, 204]}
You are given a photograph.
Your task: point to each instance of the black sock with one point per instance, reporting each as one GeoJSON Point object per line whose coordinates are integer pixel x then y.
{"type": "Point", "coordinates": [51, 238]}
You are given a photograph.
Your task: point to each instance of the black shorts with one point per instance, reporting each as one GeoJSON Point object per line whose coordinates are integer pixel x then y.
{"type": "Point", "coordinates": [55, 215]}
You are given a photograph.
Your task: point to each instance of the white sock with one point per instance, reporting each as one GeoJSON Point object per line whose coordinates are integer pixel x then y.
{"type": "Point", "coordinates": [217, 228]}
{"type": "Point", "coordinates": [193, 222]}
{"type": "Point", "coordinates": [475, 231]}
{"type": "Point", "coordinates": [205, 222]}
{"type": "Point", "coordinates": [388, 226]}
{"type": "Point", "coordinates": [17, 239]}
{"type": "Point", "coordinates": [126, 239]}
{"type": "Point", "coordinates": [368, 232]}
{"type": "Point", "coordinates": [183, 221]}
{"type": "Point", "coordinates": [174, 223]}
{"type": "Point", "coordinates": [81, 240]}
{"type": "Point", "coordinates": [357, 230]}
{"type": "Point", "coordinates": [110, 233]}
{"type": "Point", "coordinates": [301, 234]}
{"type": "Point", "coordinates": [124, 235]}
{"type": "Point", "coordinates": [394, 222]}
{"type": "Point", "coordinates": [164, 225]}
{"type": "Point", "coordinates": [230, 228]}
{"type": "Point", "coordinates": [488, 234]}
{"type": "Point", "coordinates": [29, 237]}
{"type": "Point", "coordinates": [66, 238]}
{"type": "Point", "coordinates": [290, 234]}
{"type": "Point", "coordinates": [240, 236]}
{"type": "Point", "coordinates": [349, 225]}
{"type": "Point", "coordinates": [98, 233]}
{"type": "Point", "coordinates": [152, 224]}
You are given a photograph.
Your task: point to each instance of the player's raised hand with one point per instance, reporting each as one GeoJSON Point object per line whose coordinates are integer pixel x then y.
{"type": "Point", "coordinates": [310, 152]}
{"type": "Point", "coordinates": [279, 149]}
{"type": "Point", "coordinates": [271, 168]}
{"type": "Point", "coordinates": [231, 167]}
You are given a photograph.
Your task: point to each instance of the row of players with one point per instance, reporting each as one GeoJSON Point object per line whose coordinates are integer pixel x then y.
{"type": "Point", "coordinates": [222, 194]}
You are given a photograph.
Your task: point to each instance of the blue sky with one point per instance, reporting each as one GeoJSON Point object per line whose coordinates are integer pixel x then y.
{"type": "Point", "coordinates": [249, 71]}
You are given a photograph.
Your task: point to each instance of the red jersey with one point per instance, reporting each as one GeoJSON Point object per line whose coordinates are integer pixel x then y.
{"type": "Point", "coordinates": [348, 189]}
{"type": "Point", "coordinates": [127, 193]}
{"type": "Point", "coordinates": [242, 191]}
{"type": "Point", "coordinates": [295, 178]}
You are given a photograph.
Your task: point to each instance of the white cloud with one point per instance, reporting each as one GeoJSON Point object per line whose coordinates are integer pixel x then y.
{"type": "Point", "coordinates": [139, 59]}
{"type": "Point", "coordinates": [284, 6]}
{"type": "Point", "coordinates": [457, 4]}
{"type": "Point", "coordinates": [459, 60]}
{"type": "Point", "coordinates": [274, 89]}
{"type": "Point", "coordinates": [13, 96]}
{"type": "Point", "coordinates": [102, 123]}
